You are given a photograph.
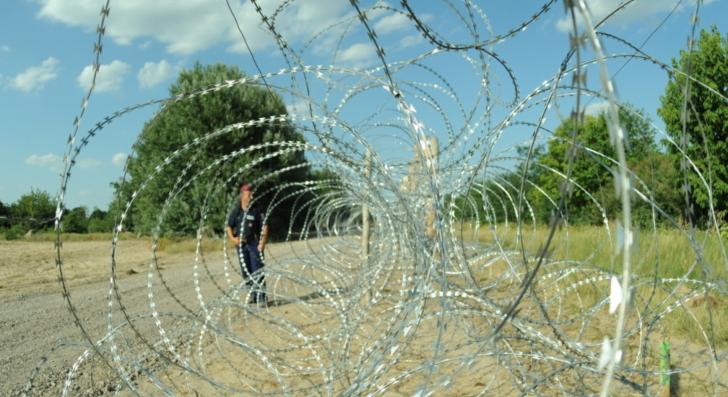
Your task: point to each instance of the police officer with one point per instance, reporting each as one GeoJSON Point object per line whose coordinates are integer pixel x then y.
{"type": "Point", "coordinates": [246, 230]}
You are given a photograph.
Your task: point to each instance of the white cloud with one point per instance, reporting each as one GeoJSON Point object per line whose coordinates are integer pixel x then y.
{"type": "Point", "coordinates": [391, 23]}
{"type": "Point", "coordinates": [635, 11]}
{"type": "Point", "coordinates": [51, 161]}
{"type": "Point", "coordinates": [109, 78]}
{"type": "Point", "coordinates": [118, 159]}
{"type": "Point", "coordinates": [359, 54]}
{"type": "Point", "coordinates": [34, 78]}
{"type": "Point", "coordinates": [411, 40]}
{"type": "Point", "coordinates": [152, 74]}
{"type": "Point", "coordinates": [596, 108]}
{"type": "Point", "coordinates": [185, 27]}
{"type": "Point", "coordinates": [5, 48]}
{"type": "Point", "coordinates": [88, 163]}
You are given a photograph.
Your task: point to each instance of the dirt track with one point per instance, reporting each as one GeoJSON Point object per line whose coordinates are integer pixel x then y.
{"type": "Point", "coordinates": [35, 323]}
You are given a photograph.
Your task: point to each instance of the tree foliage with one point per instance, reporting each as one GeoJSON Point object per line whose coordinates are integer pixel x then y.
{"type": "Point", "coordinates": [100, 221]}
{"type": "Point", "coordinates": [34, 210]}
{"type": "Point", "coordinates": [593, 186]}
{"type": "Point", "coordinates": [592, 166]}
{"type": "Point", "coordinates": [705, 119]}
{"type": "Point", "coordinates": [75, 221]}
{"type": "Point", "coordinates": [195, 117]}
{"type": "Point", "coordinates": [4, 215]}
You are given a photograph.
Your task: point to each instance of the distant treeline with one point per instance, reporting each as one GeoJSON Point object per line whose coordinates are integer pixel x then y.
{"type": "Point", "coordinates": [662, 171]}
{"type": "Point", "coordinates": [667, 188]}
{"type": "Point", "coordinates": [35, 211]}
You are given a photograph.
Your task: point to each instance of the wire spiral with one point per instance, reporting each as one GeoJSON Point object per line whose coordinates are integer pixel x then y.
{"type": "Point", "coordinates": [436, 303]}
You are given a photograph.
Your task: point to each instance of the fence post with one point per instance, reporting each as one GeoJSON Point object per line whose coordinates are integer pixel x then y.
{"type": "Point", "coordinates": [665, 386]}
{"type": "Point", "coordinates": [365, 214]}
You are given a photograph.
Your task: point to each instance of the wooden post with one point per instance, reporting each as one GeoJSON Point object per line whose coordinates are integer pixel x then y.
{"type": "Point", "coordinates": [431, 152]}
{"type": "Point", "coordinates": [365, 215]}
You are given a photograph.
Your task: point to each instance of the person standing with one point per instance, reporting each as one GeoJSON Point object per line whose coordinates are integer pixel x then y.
{"type": "Point", "coordinates": [246, 229]}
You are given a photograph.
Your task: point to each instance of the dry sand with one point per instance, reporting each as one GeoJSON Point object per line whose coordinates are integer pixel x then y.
{"type": "Point", "coordinates": [294, 345]}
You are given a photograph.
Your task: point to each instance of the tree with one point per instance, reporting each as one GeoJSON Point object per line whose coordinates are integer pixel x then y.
{"type": "Point", "coordinates": [589, 170]}
{"type": "Point", "coordinates": [75, 221]}
{"type": "Point", "coordinates": [100, 221]}
{"type": "Point", "coordinates": [4, 213]}
{"type": "Point", "coordinates": [705, 119]}
{"type": "Point", "coordinates": [182, 122]}
{"type": "Point", "coordinates": [658, 174]}
{"type": "Point", "coordinates": [34, 210]}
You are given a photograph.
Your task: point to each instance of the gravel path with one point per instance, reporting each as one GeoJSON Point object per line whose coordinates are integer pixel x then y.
{"type": "Point", "coordinates": [38, 337]}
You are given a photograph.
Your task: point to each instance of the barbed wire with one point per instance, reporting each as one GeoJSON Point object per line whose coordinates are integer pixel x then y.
{"type": "Point", "coordinates": [460, 290]}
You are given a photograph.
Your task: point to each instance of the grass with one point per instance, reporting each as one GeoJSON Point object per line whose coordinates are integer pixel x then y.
{"type": "Point", "coordinates": [170, 245]}
{"type": "Point", "coordinates": [693, 320]}
{"type": "Point", "coordinates": [660, 253]}
{"type": "Point", "coordinates": [188, 245]}
{"type": "Point", "coordinates": [665, 252]}
{"type": "Point", "coordinates": [50, 236]}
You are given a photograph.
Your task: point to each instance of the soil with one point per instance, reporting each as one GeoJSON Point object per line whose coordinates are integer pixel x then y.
{"type": "Point", "coordinates": [296, 344]}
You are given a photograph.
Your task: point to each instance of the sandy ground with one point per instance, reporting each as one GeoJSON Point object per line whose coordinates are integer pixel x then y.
{"type": "Point", "coordinates": [40, 339]}
{"type": "Point", "coordinates": [36, 328]}
{"type": "Point", "coordinates": [312, 340]}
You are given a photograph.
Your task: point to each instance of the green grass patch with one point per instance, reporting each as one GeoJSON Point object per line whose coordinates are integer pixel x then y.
{"type": "Point", "coordinates": [667, 253]}
{"type": "Point", "coordinates": [662, 253]}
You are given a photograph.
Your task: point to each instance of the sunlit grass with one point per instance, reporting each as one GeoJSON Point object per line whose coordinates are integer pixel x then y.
{"type": "Point", "coordinates": [50, 236]}
{"type": "Point", "coordinates": [188, 245]}
{"type": "Point", "coordinates": [661, 255]}
{"type": "Point", "coordinates": [667, 253]}
{"type": "Point", "coordinates": [169, 245]}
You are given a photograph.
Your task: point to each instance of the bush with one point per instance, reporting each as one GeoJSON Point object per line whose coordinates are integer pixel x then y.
{"type": "Point", "coordinates": [15, 232]}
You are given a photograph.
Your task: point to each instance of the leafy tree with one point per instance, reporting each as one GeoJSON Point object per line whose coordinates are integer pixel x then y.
{"type": "Point", "coordinates": [589, 170]}
{"type": "Point", "coordinates": [332, 179]}
{"type": "Point", "coordinates": [705, 119]}
{"type": "Point", "coordinates": [325, 186]}
{"type": "Point", "coordinates": [180, 123]}
{"type": "Point", "coordinates": [75, 221]}
{"type": "Point", "coordinates": [472, 205]}
{"type": "Point", "coordinates": [4, 213]}
{"type": "Point", "coordinates": [653, 170]}
{"type": "Point", "coordinates": [100, 221]}
{"type": "Point", "coordinates": [35, 209]}
{"type": "Point", "coordinates": [658, 174]}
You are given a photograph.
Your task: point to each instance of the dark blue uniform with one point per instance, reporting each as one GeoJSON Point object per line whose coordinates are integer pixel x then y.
{"type": "Point", "coordinates": [248, 225]}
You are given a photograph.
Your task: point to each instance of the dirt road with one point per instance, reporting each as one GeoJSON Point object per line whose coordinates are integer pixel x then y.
{"type": "Point", "coordinates": [334, 329]}
{"type": "Point", "coordinates": [38, 337]}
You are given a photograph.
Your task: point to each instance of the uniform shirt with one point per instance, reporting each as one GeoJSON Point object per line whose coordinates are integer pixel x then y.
{"type": "Point", "coordinates": [251, 222]}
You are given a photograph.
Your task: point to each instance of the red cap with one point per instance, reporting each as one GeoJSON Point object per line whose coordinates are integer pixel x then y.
{"type": "Point", "coordinates": [246, 187]}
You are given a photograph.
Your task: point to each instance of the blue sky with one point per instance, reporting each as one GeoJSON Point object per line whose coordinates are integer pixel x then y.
{"type": "Point", "coordinates": [46, 49]}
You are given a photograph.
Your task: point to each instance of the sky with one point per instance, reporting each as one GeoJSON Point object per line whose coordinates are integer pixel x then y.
{"type": "Point", "coordinates": [46, 51]}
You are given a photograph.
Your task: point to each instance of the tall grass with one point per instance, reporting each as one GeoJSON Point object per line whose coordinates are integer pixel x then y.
{"type": "Point", "coordinates": [169, 245]}
{"type": "Point", "coordinates": [666, 253]}
{"type": "Point", "coordinates": [658, 254]}
{"type": "Point", "coordinates": [188, 245]}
